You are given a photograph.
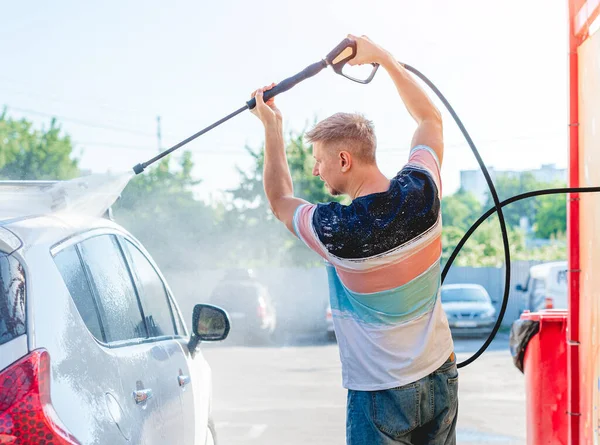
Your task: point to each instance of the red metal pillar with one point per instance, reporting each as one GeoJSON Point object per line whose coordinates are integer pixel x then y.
{"type": "Point", "coordinates": [574, 413]}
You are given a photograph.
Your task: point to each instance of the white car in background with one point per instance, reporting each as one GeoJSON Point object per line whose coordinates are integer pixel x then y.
{"type": "Point", "coordinates": [546, 286]}
{"type": "Point", "coordinates": [469, 308]}
{"type": "Point", "coordinates": [93, 347]}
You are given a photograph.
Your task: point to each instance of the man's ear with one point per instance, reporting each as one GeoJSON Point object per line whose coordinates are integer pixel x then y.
{"type": "Point", "coordinates": [345, 161]}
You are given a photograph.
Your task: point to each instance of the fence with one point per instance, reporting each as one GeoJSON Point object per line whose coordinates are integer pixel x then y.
{"type": "Point", "coordinates": [301, 295]}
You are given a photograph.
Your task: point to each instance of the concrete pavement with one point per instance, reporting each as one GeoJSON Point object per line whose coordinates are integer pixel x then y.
{"type": "Point", "coordinates": [293, 395]}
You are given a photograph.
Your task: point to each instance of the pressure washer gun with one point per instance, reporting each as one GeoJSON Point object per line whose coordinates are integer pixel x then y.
{"type": "Point", "coordinates": [337, 59]}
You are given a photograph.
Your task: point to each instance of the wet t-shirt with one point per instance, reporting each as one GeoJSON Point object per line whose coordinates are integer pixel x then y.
{"type": "Point", "coordinates": [383, 261]}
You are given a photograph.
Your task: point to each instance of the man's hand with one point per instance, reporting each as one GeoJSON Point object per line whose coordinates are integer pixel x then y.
{"type": "Point", "coordinates": [429, 120]}
{"type": "Point", "coordinates": [278, 184]}
{"type": "Point", "coordinates": [268, 113]}
{"type": "Point", "coordinates": [368, 52]}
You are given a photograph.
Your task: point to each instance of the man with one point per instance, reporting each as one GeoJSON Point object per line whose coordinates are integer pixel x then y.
{"type": "Point", "coordinates": [383, 259]}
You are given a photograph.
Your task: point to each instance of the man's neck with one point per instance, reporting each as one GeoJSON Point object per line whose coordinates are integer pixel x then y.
{"type": "Point", "coordinates": [370, 181]}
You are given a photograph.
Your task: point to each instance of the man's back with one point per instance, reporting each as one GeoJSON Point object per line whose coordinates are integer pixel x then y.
{"type": "Point", "coordinates": [383, 259]}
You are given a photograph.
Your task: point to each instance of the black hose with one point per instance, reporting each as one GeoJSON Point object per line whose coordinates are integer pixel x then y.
{"type": "Point", "coordinates": [485, 216]}
{"type": "Point", "coordinates": [497, 207]}
{"type": "Point", "coordinates": [490, 212]}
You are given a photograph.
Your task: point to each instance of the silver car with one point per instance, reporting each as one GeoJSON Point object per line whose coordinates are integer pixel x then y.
{"type": "Point", "coordinates": [469, 308]}
{"type": "Point", "coordinates": [93, 347]}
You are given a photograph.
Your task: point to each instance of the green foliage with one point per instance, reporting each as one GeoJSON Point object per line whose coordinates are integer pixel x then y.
{"type": "Point", "coordinates": [260, 238]}
{"type": "Point", "coordinates": [26, 153]}
{"type": "Point", "coordinates": [485, 248]}
{"type": "Point", "coordinates": [460, 210]}
{"type": "Point", "coordinates": [551, 216]}
{"type": "Point", "coordinates": [547, 213]}
{"type": "Point", "coordinates": [511, 186]}
{"type": "Point", "coordinates": [182, 232]}
{"type": "Point", "coordinates": [269, 242]}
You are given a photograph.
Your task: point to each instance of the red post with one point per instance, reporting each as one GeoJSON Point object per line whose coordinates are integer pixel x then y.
{"type": "Point", "coordinates": [574, 413]}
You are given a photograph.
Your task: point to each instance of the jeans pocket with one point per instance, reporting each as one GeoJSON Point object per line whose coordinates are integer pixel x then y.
{"type": "Point", "coordinates": [396, 412]}
{"type": "Point", "coordinates": [452, 400]}
{"type": "Point", "coordinates": [448, 365]}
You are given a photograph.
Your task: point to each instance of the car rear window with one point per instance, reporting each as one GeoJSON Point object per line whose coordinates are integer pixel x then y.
{"type": "Point", "coordinates": [70, 267]}
{"type": "Point", "coordinates": [235, 295]}
{"type": "Point", "coordinates": [12, 298]}
{"type": "Point", "coordinates": [117, 299]}
{"type": "Point", "coordinates": [464, 294]}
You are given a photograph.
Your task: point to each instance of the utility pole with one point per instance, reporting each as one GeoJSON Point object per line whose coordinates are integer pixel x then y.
{"type": "Point", "coordinates": [158, 135]}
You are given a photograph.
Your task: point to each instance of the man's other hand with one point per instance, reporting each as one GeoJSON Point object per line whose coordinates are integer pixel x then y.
{"type": "Point", "coordinates": [267, 112]}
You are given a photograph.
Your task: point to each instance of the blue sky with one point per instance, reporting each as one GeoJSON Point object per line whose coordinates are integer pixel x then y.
{"type": "Point", "coordinates": [119, 64]}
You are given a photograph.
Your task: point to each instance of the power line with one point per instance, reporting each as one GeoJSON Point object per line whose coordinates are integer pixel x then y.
{"type": "Point", "coordinates": [80, 122]}
{"type": "Point", "coordinates": [107, 127]}
{"type": "Point", "coordinates": [111, 145]}
{"type": "Point", "coordinates": [148, 148]}
{"type": "Point", "coordinates": [92, 104]}
{"type": "Point", "coordinates": [91, 124]}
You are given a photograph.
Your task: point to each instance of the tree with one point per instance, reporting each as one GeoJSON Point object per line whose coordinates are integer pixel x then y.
{"type": "Point", "coordinates": [460, 210]}
{"type": "Point", "coordinates": [551, 216]}
{"type": "Point", "coordinates": [26, 153]}
{"type": "Point", "coordinates": [508, 186]}
{"type": "Point", "coordinates": [547, 214]}
{"type": "Point", "coordinates": [484, 248]}
{"type": "Point", "coordinates": [259, 238]}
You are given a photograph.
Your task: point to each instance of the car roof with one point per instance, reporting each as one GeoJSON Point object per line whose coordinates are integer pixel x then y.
{"type": "Point", "coordinates": [51, 229]}
{"type": "Point", "coordinates": [22, 198]}
{"type": "Point", "coordinates": [544, 269]}
{"type": "Point", "coordinates": [47, 212]}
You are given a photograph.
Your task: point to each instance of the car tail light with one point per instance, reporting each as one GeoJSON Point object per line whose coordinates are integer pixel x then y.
{"type": "Point", "coordinates": [328, 315]}
{"type": "Point", "coordinates": [26, 413]}
{"type": "Point", "coordinates": [262, 309]}
{"type": "Point", "coordinates": [549, 303]}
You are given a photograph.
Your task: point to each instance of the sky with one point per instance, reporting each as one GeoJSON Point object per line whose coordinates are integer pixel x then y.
{"type": "Point", "coordinates": [107, 69]}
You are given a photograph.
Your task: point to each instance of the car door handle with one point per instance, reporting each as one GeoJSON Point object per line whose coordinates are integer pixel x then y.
{"type": "Point", "coordinates": [142, 395]}
{"type": "Point", "coordinates": [183, 380]}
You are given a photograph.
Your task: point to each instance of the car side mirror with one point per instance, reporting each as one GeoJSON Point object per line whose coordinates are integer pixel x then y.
{"type": "Point", "coordinates": [520, 288]}
{"type": "Point", "coordinates": [209, 323]}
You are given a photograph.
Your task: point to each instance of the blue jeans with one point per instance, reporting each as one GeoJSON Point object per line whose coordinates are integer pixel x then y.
{"type": "Point", "coordinates": [421, 413]}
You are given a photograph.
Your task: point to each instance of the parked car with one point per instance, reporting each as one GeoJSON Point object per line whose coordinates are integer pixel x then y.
{"type": "Point", "coordinates": [469, 308]}
{"type": "Point", "coordinates": [546, 286]}
{"type": "Point", "coordinates": [249, 305]}
{"type": "Point", "coordinates": [93, 347]}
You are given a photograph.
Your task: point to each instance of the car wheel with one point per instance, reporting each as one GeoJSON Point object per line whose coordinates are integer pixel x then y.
{"type": "Point", "coordinates": [211, 435]}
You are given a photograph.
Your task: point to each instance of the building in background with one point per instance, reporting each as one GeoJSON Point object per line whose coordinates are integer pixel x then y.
{"type": "Point", "coordinates": [473, 180]}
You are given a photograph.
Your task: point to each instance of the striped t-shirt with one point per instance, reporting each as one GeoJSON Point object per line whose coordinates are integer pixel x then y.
{"type": "Point", "coordinates": [383, 262]}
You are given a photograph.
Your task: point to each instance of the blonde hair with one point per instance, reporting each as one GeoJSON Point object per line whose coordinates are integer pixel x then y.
{"type": "Point", "coordinates": [348, 131]}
